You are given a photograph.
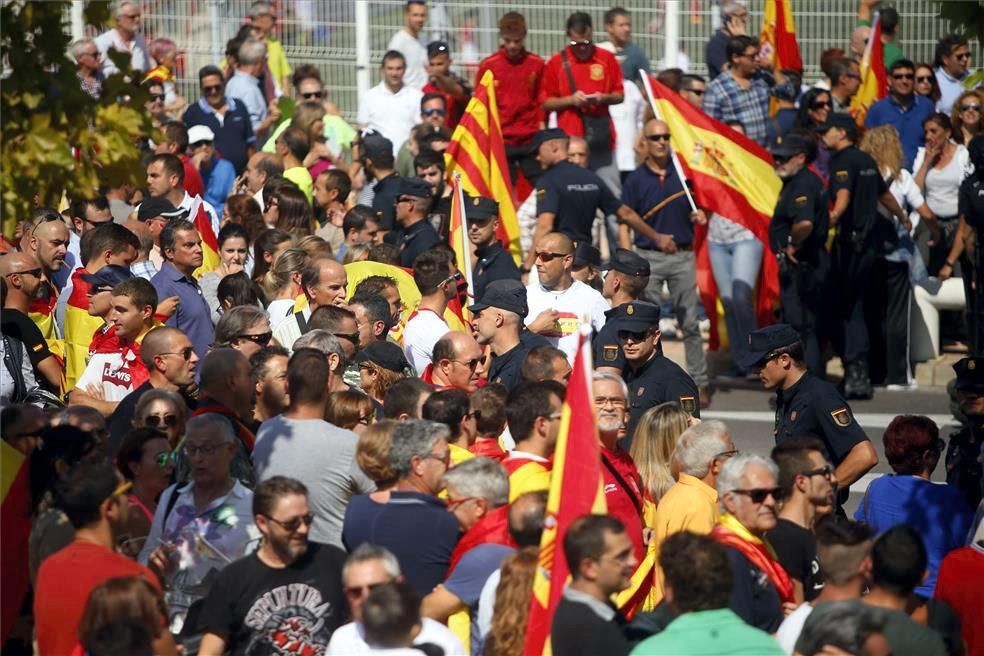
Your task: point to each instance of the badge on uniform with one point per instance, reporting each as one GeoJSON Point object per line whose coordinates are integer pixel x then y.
{"type": "Point", "coordinates": [609, 352]}
{"type": "Point", "coordinates": [792, 416]}
{"type": "Point", "coordinates": [597, 72]}
{"type": "Point", "coordinates": [688, 404]}
{"type": "Point", "coordinates": [841, 417]}
{"type": "Point", "coordinates": [840, 175]}
{"type": "Point", "coordinates": [800, 201]}
{"type": "Point", "coordinates": [641, 391]}
{"type": "Point", "coordinates": [540, 192]}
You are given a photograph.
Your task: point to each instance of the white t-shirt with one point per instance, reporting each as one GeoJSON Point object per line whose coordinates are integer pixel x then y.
{"type": "Point", "coordinates": [287, 331]}
{"type": "Point", "coordinates": [943, 185]}
{"type": "Point", "coordinates": [140, 59]}
{"type": "Point", "coordinates": [486, 603]}
{"type": "Point", "coordinates": [350, 639]}
{"type": "Point", "coordinates": [791, 627]}
{"type": "Point", "coordinates": [111, 372]}
{"type": "Point", "coordinates": [391, 114]}
{"type": "Point", "coordinates": [627, 117]}
{"type": "Point", "coordinates": [279, 309]}
{"type": "Point", "coordinates": [576, 305]}
{"type": "Point", "coordinates": [420, 335]}
{"type": "Point", "coordinates": [416, 55]}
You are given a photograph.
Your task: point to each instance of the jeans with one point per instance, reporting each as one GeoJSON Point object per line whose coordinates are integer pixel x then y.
{"type": "Point", "coordinates": [736, 269]}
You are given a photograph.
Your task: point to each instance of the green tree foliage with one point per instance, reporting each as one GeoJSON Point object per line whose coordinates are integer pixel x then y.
{"type": "Point", "coordinates": [56, 138]}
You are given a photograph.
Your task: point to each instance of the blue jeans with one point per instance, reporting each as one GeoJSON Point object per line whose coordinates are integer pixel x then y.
{"type": "Point", "coordinates": [736, 268]}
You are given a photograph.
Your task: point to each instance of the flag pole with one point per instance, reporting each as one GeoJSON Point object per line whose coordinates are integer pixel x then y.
{"type": "Point", "coordinates": [673, 156]}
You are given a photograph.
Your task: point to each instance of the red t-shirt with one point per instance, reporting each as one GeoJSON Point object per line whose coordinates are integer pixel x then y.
{"type": "Point", "coordinates": [959, 583]}
{"type": "Point", "coordinates": [517, 92]}
{"type": "Point", "coordinates": [62, 589]}
{"type": "Point", "coordinates": [600, 73]}
{"type": "Point", "coordinates": [621, 504]}
{"type": "Point", "coordinates": [192, 180]}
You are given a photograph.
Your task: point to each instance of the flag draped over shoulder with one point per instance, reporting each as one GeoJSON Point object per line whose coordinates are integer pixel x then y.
{"type": "Point", "coordinates": [79, 329]}
{"type": "Point", "coordinates": [15, 526]}
{"type": "Point", "coordinates": [731, 175]}
{"type": "Point", "coordinates": [874, 79]}
{"type": "Point", "coordinates": [458, 235]}
{"type": "Point", "coordinates": [478, 153]}
{"type": "Point", "coordinates": [576, 489]}
{"type": "Point", "coordinates": [778, 36]}
{"type": "Point", "coordinates": [210, 241]}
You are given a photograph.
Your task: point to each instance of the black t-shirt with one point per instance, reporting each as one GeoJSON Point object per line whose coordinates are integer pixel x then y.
{"type": "Point", "coordinates": [796, 549]}
{"type": "Point", "coordinates": [855, 171]}
{"type": "Point", "coordinates": [574, 196]}
{"type": "Point", "coordinates": [384, 201]}
{"type": "Point", "coordinates": [19, 326]}
{"type": "Point", "coordinates": [262, 610]}
{"type": "Point", "coordinates": [970, 201]}
{"type": "Point", "coordinates": [803, 198]}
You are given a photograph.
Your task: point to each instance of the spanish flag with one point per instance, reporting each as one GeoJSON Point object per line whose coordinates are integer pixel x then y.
{"type": "Point", "coordinates": [210, 240]}
{"type": "Point", "coordinates": [15, 526]}
{"type": "Point", "coordinates": [732, 176]}
{"type": "Point", "coordinates": [458, 235]}
{"type": "Point", "coordinates": [576, 489]}
{"type": "Point", "coordinates": [874, 79]}
{"type": "Point", "coordinates": [478, 153]}
{"type": "Point", "coordinates": [778, 36]}
{"type": "Point", "coordinates": [79, 329]}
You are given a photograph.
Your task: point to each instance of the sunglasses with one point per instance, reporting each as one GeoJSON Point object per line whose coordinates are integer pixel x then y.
{"type": "Point", "coordinates": [924, 78]}
{"type": "Point", "coordinates": [826, 471]}
{"type": "Point", "coordinates": [262, 339]}
{"type": "Point", "coordinates": [215, 88]}
{"type": "Point", "coordinates": [313, 95]}
{"type": "Point", "coordinates": [433, 112]}
{"type": "Point", "coordinates": [582, 43]}
{"type": "Point", "coordinates": [357, 592]}
{"type": "Point", "coordinates": [658, 137]}
{"type": "Point", "coordinates": [156, 420]}
{"type": "Point", "coordinates": [820, 105]}
{"type": "Point", "coordinates": [963, 55]}
{"type": "Point", "coordinates": [471, 364]}
{"type": "Point", "coordinates": [970, 108]}
{"type": "Point", "coordinates": [759, 495]}
{"type": "Point", "coordinates": [903, 76]}
{"type": "Point", "coordinates": [352, 337]}
{"type": "Point", "coordinates": [185, 353]}
{"type": "Point", "coordinates": [164, 459]}
{"type": "Point", "coordinates": [696, 92]}
{"type": "Point", "coordinates": [30, 272]}
{"type": "Point", "coordinates": [456, 276]}
{"type": "Point", "coordinates": [157, 97]}
{"type": "Point", "coordinates": [547, 256]}
{"type": "Point", "coordinates": [293, 523]}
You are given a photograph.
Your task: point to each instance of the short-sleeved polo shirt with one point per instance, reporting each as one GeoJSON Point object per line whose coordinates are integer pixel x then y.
{"type": "Point", "coordinates": [193, 315]}
{"type": "Point", "coordinates": [644, 189]}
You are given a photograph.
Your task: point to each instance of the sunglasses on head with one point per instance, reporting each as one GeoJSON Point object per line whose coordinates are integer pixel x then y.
{"type": "Point", "coordinates": [184, 353]}
{"type": "Point", "coordinates": [262, 339]}
{"type": "Point", "coordinates": [156, 420]}
{"type": "Point", "coordinates": [293, 523]}
{"type": "Point", "coordinates": [759, 495]}
{"type": "Point", "coordinates": [313, 95]}
{"type": "Point", "coordinates": [658, 137]}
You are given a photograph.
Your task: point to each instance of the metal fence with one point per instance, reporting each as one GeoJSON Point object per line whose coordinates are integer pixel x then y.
{"type": "Point", "coordinates": [323, 32]}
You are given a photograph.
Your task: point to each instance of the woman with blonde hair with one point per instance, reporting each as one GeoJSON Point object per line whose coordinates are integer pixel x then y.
{"type": "Point", "coordinates": [282, 283]}
{"type": "Point", "coordinates": [309, 117]}
{"type": "Point", "coordinates": [652, 446]}
{"type": "Point", "coordinates": [968, 116]}
{"type": "Point", "coordinates": [351, 409]}
{"type": "Point", "coordinates": [372, 454]}
{"type": "Point", "coordinates": [127, 599]}
{"type": "Point", "coordinates": [512, 604]}
{"type": "Point", "coordinates": [381, 364]}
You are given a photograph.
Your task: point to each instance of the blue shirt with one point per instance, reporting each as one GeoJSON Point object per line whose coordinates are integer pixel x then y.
{"type": "Point", "coordinates": [935, 510]}
{"type": "Point", "coordinates": [246, 88]}
{"type": "Point", "coordinates": [233, 133]}
{"type": "Point", "coordinates": [644, 189]}
{"type": "Point", "coordinates": [726, 100]}
{"type": "Point", "coordinates": [906, 119]}
{"type": "Point", "coordinates": [218, 179]}
{"type": "Point", "coordinates": [469, 577]}
{"type": "Point", "coordinates": [193, 316]}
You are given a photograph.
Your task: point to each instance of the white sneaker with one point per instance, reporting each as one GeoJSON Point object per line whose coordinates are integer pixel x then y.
{"type": "Point", "coordinates": [668, 327]}
{"type": "Point", "coordinates": [910, 387]}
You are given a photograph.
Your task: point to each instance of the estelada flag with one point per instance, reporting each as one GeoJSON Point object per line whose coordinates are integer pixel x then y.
{"type": "Point", "coordinates": [210, 241]}
{"type": "Point", "coordinates": [778, 36]}
{"type": "Point", "coordinates": [478, 153]}
{"type": "Point", "coordinates": [458, 236]}
{"type": "Point", "coordinates": [576, 489]}
{"type": "Point", "coordinates": [874, 79]}
{"type": "Point", "coordinates": [731, 175]}
{"type": "Point", "coordinates": [15, 526]}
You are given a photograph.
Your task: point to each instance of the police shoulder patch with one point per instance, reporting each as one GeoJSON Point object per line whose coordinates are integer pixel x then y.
{"type": "Point", "coordinates": [841, 175]}
{"type": "Point", "coordinates": [609, 352]}
{"type": "Point", "coordinates": [688, 404]}
{"type": "Point", "coordinates": [37, 347]}
{"type": "Point", "coordinates": [800, 200]}
{"type": "Point", "coordinates": [841, 417]}
{"type": "Point", "coordinates": [540, 191]}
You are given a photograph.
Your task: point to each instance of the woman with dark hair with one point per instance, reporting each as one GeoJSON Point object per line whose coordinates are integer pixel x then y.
{"type": "Point", "coordinates": [926, 83]}
{"type": "Point", "coordinates": [234, 257]}
{"type": "Point", "coordinates": [935, 510]}
{"type": "Point", "coordinates": [814, 107]}
{"type": "Point", "coordinates": [145, 459]}
{"type": "Point", "coordinates": [351, 409]}
{"type": "Point", "coordinates": [236, 290]}
{"type": "Point", "coordinates": [126, 599]}
{"type": "Point", "coordinates": [267, 247]}
{"type": "Point", "coordinates": [244, 210]}
{"type": "Point", "coordinates": [287, 208]}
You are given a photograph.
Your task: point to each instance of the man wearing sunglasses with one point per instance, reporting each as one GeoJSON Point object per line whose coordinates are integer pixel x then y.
{"type": "Point", "coordinates": [903, 109]}
{"type": "Point", "coordinates": [450, 85]}
{"type": "Point", "coordinates": [953, 54]}
{"type": "Point", "coordinates": [416, 234]}
{"type": "Point", "coordinates": [125, 37]}
{"type": "Point", "coordinates": [227, 118]}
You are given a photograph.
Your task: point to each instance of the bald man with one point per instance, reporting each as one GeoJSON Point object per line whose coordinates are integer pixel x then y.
{"type": "Point", "coordinates": [578, 152]}
{"type": "Point", "coordinates": [23, 276]}
{"type": "Point", "coordinates": [457, 362]}
{"type": "Point", "coordinates": [324, 282]}
{"type": "Point", "coordinates": [559, 304]}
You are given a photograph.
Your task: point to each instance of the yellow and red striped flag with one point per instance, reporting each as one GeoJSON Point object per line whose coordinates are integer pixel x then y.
{"type": "Point", "coordinates": [210, 241]}
{"type": "Point", "coordinates": [458, 236]}
{"type": "Point", "coordinates": [576, 489]}
{"type": "Point", "coordinates": [478, 153]}
{"type": "Point", "coordinates": [874, 79]}
{"type": "Point", "coordinates": [778, 36]}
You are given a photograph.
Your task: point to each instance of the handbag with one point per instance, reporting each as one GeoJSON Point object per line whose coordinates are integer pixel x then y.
{"type": "Point", "coordinates": [597, 129]}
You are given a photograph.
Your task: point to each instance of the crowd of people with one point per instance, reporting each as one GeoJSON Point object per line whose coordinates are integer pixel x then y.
{"type": "Point", "coordinates": [266, 409]}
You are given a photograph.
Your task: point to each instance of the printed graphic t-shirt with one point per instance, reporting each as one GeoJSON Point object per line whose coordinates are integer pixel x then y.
{"type": "Point", "coordinates": [577, 304]}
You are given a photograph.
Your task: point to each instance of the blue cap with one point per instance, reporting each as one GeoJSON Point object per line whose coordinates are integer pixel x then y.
{"type": "Point", "coordinates": [763, 341]}
{"type": "Point", "coordinates": [547, 135]}
{"type": "Point", "coordinates": [108, 276]}
{"type": "Point", "coordinates": [970, 374]}
{"type": "Point", "coordinates": [415, 187]}
{"type": "Point", "coordinates": [480, 208]}
{"type": "Point", "coordinates": [506, 294]}
{"type": "Point", "coordinates": [639, 316]}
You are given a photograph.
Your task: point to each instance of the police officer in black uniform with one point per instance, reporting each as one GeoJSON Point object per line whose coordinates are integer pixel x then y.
{"type": "Point", "coordinates": [971, 211]}
{"type": "Point", "coordinates": [379, 163]}
{"type": "Point", "coordinates": [807, 405]}
{"type": "Point", "coordinates": [861, 274]}
{"type": "Point", "coordinates": [493, 262]}
{"type": "Point", "coordinates": [497, 319]}
{"type": "Point", "coordinates": [798, 235]}
{"type": "Point", "coordinates": [625, 282]}
{"type": "Point", "coordinates": [412, 207]}
{"type": "Point", "coordinates": [964, 453]}
{"type": "Point", "coordinates": [652, 377]}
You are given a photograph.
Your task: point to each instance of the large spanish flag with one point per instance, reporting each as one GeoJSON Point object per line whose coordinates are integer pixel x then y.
{"type": "Point", "coordinates": [730, 175]}
{"type": "Point", "coordinates": [874, 79]}
{"type": "Point", "coordinates": [778, 36]}
{"type": "Point", "coordinates": [576, 489]}
{"type": "Point", "coordinates": [478, 153]}
{"type": "Point", "coordinates": [15, 526]}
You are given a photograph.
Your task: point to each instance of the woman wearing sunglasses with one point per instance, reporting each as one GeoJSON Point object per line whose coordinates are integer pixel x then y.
{"type": "Point", "coordinates": [164, 410]}
{"type": "Point", "coordinates": [245, 328]}
{"type": "Point", "coordinates": [814, 107]}
{"type": "Point", "coordinates": [145, 460]}
{"type": "Point", "coordinates": [968, 116]}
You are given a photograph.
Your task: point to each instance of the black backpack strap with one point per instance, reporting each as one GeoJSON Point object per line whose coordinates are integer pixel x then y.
{"type": "Point", "coordinates": [301, 322]}
{"type": "Point", "coordinates": [14, 359]}
{"type": "Point", "coordinates": [567, 69]}
{"type": "Point", "coordinates": [171, 501]}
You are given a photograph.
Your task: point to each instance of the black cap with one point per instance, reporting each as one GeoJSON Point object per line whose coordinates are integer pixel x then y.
{"type": "Point", "coordinates": [385, 354]}
{"type": "Point", "coordinates": [546, 135]}
{"type": "Point", "coordinates": [839, 120]}
{"type": "Point", "coordinates": [639, 316]}
{"type": "Point", "coordinates": [480, 208]}
{"type": "Point", "coordinates": [507, 295]}
{"type": "Point", "coordinates": [763, 341]}
{"type": "Point", "coordinates": [586, 254]}
{"type": "Point", "coordinates": [628, 262]}
{"type": "Point", "coordinates": [437, 47]}
{"type": "Point", "coordinates": [415, 187]}
{"type": "Point", "coordinates": [108, 276]}
{"type": "Point", "coordinates": [970, 374]}
{"type": "Point", "coordinates": [789, 145]}
{"type": "Point", "coordinates": [155, 206]}
{"type": "Point", "coordinates": [374, 144]}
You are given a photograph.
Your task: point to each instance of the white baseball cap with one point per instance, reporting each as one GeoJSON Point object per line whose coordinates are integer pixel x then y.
{"type": "Point", "coordinates": [198, 133]}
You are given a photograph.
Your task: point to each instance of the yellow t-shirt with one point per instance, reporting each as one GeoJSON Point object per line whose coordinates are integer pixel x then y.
{"type": "Point", "coordinates": [531, 477]}
{"type": "Point", "coordinates": [300, 176]}
{"type": "Point", "coordinates": [277, 60]}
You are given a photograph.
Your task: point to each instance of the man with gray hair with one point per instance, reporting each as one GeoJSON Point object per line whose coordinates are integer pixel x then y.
{"type": "Point", "coordinates": [125, 38]}
{"type": "Point", "coordinates": [734, 19]}
{"type": "Point", "coordinates": [415, 524]}
{"type": "Point", "coordinates": [244, 86]}
{"type": "Point", "coordinates": [86, 54]}
{"type": "Point", "coordinates": [228, 393]}
{"type": "Point", "coordinates": [478, 496]}
{"type": "Point", "coordinates": [324, 341]}
{"type": "Point", "coordinates": [691, 504]}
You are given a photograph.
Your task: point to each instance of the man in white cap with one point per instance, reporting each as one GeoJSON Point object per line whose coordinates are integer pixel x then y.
{"type": "Point", "coordinates": [218, 175]}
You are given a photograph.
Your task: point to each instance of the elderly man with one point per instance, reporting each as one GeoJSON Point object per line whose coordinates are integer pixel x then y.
{"type": "Point", "coordinates": [181, 246]}
{"type": "Point", "coordinates": [749, 493]}
{"type": "Point", "coordinates": [202, 525]}
{"type": "Point", "coordinates": [126, 39]}
{"type": "Point", "coordinates": [244, 87]}
{"type": "Point", "coordinates": [367, 568]}
{"type": "Point", "coordinates": [420, 456]}
{"type": "Point", "coordinates": [734, 15]}
{"type": "Point", "coordinates": [89, 59]}
{"type": "Point", "coordinates": [478, 496]}
{"type": "Point", "coordinates": [324, 282]}
{"type": "Point", "coordinates": [457, 363]}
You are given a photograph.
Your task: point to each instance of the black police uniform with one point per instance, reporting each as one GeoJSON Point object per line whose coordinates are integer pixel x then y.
{"type": "Point", "coordinates": [573, 195]}
{"type": "Point", "coordinates": [386, 192]}
{"type": "Point", "coordinates": [803, 198]}
{"type": "Point", "coordinates": [963, 454]}
{"type": "Point", "coordinates": [414, 240]}
{"type": "Point", "coordinates": [606, 347]}
{"type": "Point", "coordinates": [506, 369]}
{"type": "Point", "coordinates": [971, 206]}
{"type": "Point", "coordinates": [494, 263]}
{"type": "Point", "coordinates": [813, 407]}
{"type": "Point", "coordinates": [658, 381]}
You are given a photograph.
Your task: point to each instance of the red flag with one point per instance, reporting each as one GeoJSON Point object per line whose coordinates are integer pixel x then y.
{"type": "Point", "coordinates": [15, 526]}
{"type": "Point", "coordinates": [874, 79]}
{"type": "Point", "coordinates": [778, 36]}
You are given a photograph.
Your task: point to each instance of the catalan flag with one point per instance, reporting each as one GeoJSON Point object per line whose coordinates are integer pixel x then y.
{"type": "Point", "coordinates": [874, 79]}
{"type": "Point", "coordinates": [576, 489]}
{"type": "Point", "coordinates": [15, 526]}
{"type": "Point", "coordinates": [732, 176]}
{"type": "Point", "coordinates": [478, 153]}
{"type": "Point", "coordinates": [458, 233]}
{"type": "Point", "coordinates": [778, 36]}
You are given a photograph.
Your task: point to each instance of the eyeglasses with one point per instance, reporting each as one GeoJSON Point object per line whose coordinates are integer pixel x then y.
{"type": "Point", "coordinates": [164, 459]}
{"type": "Point", "coordinates": [156, 420]}
{"type": "Point", "coordinates": [821, 104]}
{"type": "Point", "coordinates": [759, 495]}
{"type": "Point", "coordinates": [826, 471]}
{"type": "Point", "coordinates": [582, 43]}
{"type": "Point", "coordinates": [658, 137]}
{"type": "Point", "coordinates": [924, 78]}
{"type": "Point", "coordinates": [970, 108]}
{"type": "Point", "coordinates": [193, 450]}
{"type": "Point", "coordinates": [352, 337]}
{"type": "Point", "coordinates": [547, 256]}
{"type": "Point", "coordinates": [357, 592]}
{"type": "Point", "coordinates": [215, 88]}
{"type": "Point", "coordinates": [433, 112]}
{"type": "Point", "coordinates": [262, 339]}
{"type": "Point", "coordinates": [30, 272]}
{"type": "Point", "coordinates": [440, 457]}
{"type": "Point", "coordinates": [903, 76]}
{"type": "Point", "coordinates": [293, 523]}
{"type": "Point", "coordinates": [471, 364]}
{"type": "Point", "coordinates": [185, 353]}
{"type": "Point", "coordinates": [454, 504]}
{"type": "Point", "coordinates": [614, 401]}
{"type": "Point", "coordinates": [724, 455]}
{"type": "Point", "coordinates": [313, 95]}
{"type": "Point", "coordinates": [696, 92]}
{"type": "Point", "coordinates": [199, 144]}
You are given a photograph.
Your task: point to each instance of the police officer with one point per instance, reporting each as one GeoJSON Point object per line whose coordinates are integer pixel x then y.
{"type": "Point", "coordinates": [652, 377]}
{"type": "Point", "coordinates": [568, 197]}
{"type": "Point", "coordinates": [493, 262]}
{"type": "Point", "coordinates": [797, 235]}
{"type": "Point", "coordinates": [412, 207]}
{"type": "Point", "coordinates": [863, 238]}
{"type": "Point", "coordinates": [378, 161]}
{"type": "Point", "coordinates": [971, 210]}
{"type": "Point", "coordinates": [807, 405]}
{"type": "Point", "coordinates": [963, 455]}
{"type": "Point", "coordinates": [497, 318]}
{"type": "Point", "coordinates": [625, 282]}
{"type": "Point", "coordinates": [587, 262]}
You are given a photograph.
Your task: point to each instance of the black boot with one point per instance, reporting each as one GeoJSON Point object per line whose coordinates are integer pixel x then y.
{"type": "Point", "coordinates": [857, 384]}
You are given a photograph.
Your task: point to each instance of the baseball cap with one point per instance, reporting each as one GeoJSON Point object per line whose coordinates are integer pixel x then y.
{"type": "Point", "coordinates": [385, 354]}
{"type": "Point", "coordinates": [547, 135]}
{"type": "Point", "coordinates": [437, 47]}
{"type": "Point", "coordinates": [763, 341]}
{"type": "Point", "coordinates": [198, 133]}
{"type": "Point", "coordinates": [628, 262]}
{"type": "Point", "coordinates": [108, 276]}
{"type": "Point", "coordinates": [415, 187]}
{"type": "Point", "coordinates": [158, 206]}
{"type": "Point", "coordinates": [586, 254]}
{"type": "Point", "coordinates": [509, 295]}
